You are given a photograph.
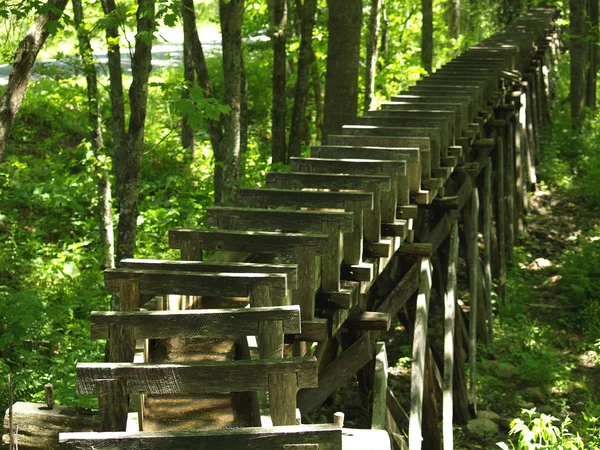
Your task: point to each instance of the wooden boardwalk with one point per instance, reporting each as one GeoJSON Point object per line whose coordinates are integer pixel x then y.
{"type": "Point", "coordinates": [369, 228]}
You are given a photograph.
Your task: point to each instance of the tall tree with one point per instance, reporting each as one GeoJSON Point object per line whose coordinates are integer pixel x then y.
{"type": "Point", "coordinates": [107, 241]}
{"type": "Point", "coordinates": [578, 62]}
{"type": "Point", "coordinates": [129, 168]}
{"type": "Point", "coordinates": [594, 47]}
{"type": "Point", "coordinates": [427, 35]}
{"type": "Point", "coordinates": [453, 18]}
{"type": "Point", "coordinates": [228, 154]}
{"type": "Point", "coordinates": [277, 32]}
{"type": "Point", "coordinates": [188, 137]}
{"type": "Point", "coordinates": [306, 13]}
{"type": "Point", "coordinates": [25, 56]}
{"type": "Point", "coordinates": [371, 62]}
{"type": "Point", "coordinates": [343, 55]}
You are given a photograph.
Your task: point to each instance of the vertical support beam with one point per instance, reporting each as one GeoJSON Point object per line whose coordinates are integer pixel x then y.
{"type": "Point", "coordinates": [379, 415]}
{"type": "Point", "coordinates": [419, 352]}
{"type": "Point", "coordinates": [330, 263]}
{"type": "Point", "coordinates": [304, 257]}
{"type": "Point", "coordinates": [509, 192]}
{"type": "Point", "coordinates": [449, 325]}
{"type": "Point", "coordinates": [501, 214]}
{"type": "Point", "coordinates": [471, 216]}
{"type": "Point", "coordinates": [353, 241]}
{"type": "Point", "coordinates": [487, 246]}
{"type": "Point", "coordinates": [113, 404]}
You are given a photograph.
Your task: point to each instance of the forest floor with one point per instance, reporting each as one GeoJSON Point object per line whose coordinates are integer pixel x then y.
{"type": "Point", "coordinates": [544, 355]}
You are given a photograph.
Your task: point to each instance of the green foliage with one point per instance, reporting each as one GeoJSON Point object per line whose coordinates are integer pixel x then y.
{"type": "Point", "coordinates": [538, 431]}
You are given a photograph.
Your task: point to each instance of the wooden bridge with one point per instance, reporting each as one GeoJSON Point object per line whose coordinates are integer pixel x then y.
{"type": "Point", "coordinates": [369, 228]}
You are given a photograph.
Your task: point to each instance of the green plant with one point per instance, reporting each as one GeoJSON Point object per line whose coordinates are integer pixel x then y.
{"type": "Point", "coordinates": [537, 431]}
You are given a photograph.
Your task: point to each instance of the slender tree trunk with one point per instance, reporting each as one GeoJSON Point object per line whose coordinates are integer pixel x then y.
{"type": "Point", "coordinates": [243, 121]}
{"type": "Point", "coordinates": [188, 137]}
{"type": "Point", "coordinates": [277, 32]}
{"type": "Point", "coordinates": [454, 19]}
{"type": "Point", "coordinates": [592, 69]}
{"type": "Point", "coordinates": [306, 15]}
{"type": "Point", "coordinates": [315, 77]}
{"type": "Point", "coordinates": [343, 55]}
{"type": "Point", "coordinates": [578, 63]}
{"type": "Point", "coordinates": [384, 47]}
{"type": "Point", "coordinates": [371, 62]}
{"type": "Point", "coordinates": [25, 56]}
{"type": "Point", "coordinates": [228, 156]}
{"type": "Point", "coordinates": [107, 241]}
{"type": "Point", "coordinates": [128, 176]}
{"type": "Point", "coordinates": [427, 35]}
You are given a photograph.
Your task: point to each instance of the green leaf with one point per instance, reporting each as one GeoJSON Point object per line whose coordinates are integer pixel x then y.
{"type": "Point", "coordinates": [71, 269]}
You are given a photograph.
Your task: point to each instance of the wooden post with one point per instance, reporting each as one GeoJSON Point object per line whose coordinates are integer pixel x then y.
{"type": "Point", "coordinates": [338, 418]}
{"type": "Point", "coordinates": [419, 353]}
{"type": "Point", "coordinates": [509, 191]}
{"type": "Point", "coordinates": [49, 394]}
{"type": "Point", "coordinates": [501, 214]}
{"type": "Point", "coordinates": [379, 415]}
{"type": "Point", "coordinates": [112, 394]}
{"type": "Point", "coordinates": [113, 404]}
{"type": "Point", "coordinates": [449, 350]}
{"type": "Point", "coordinates": [304, 257]}
{"type": "Point", "coordinates": [487, 246]}
{"type": "Point", "coordinates": [471, 215]}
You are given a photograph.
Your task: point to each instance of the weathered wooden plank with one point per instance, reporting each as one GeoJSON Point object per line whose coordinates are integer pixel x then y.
{"type": "Point", "coordinates": [335, 374]}
{"type": "Point", "coordinates": [419, 147]}
{"type": "Point", "coordinates": [415, 436]}
{"type": "Point", "coordinates": [196, 323]}
{"type": "Point", "coordinates": [428, 106]}
{"type": "Point", "coordinates": [333, 224]}
{"type": "Point", "coordinates": [327, 437]}
{"type": "Point", "coordinates": [423, 137]}
{"type": "Point", "coordinates": [161, 282]}
{"type": "Point", "coordinates": [380, 388]}
{"type": "Point", "coordinates": [391, 168]}
{"type": "Point", "coordinates": [196, 378]}
{"type": "Point", "coordinates": [290, 270]}
{"type": "Point", "coordinates": [356, 203]}
{"type": "Point", "coordinates": [300, 180]}
{"type": "Point", "coordinates": [369, 320]}
{"type": "Point", "coordinates": [262, 242]}
{"type": "Point", "coordinates": [467, 104]}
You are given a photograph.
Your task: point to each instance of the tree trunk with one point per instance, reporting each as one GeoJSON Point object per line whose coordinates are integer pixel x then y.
{"type": "Point", "coordinates": [454, 19]}
{"type": "Point", "coordinates": [25, 56]}
{"type": "Point", "coordinates": [384, 47]}
{"type": "Point", "coordinates": [371, 62]}
{"type": "Point", "coordinates": [243, 121]}
{"type": "Point", "coordinates": [318, 93]}
{"type": "Point", "coordinates": [188, 137]}
{"type": "Point", "coordinates": [128, 175]}
{"type": "Point", "coordinates": [427, 35]}
{"type": "Point", "coordinates": [343, 55]}
{"type": "Point", "coordinates": [592, 70]}
{"type": "Point", "coordinates": [306, 14]}
{"type": "Point", "coordinates": [228, 156]}
{"type": "Point", "coordinates": [277, 32]}
{"type": "Point", "coordinates": [578, 63]}
{"type": "Point", "coordinates": [107, 241]}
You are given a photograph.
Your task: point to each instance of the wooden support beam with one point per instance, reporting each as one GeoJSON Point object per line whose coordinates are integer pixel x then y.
{"type": "Point", "coordinates": [380, 388]}
{"type": "Point", "coordinates": [486, 204]}
{"type": "Point", "coordinates": [335, 374]}
{"type": "Point", "coordinates": [449, 350]}
{"type": "Point", "coordinates": [415, 434]}
{"type": "Point", "coordinates": [369, 320]}
{"type": "Point", "coordinates": [471, 215]}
